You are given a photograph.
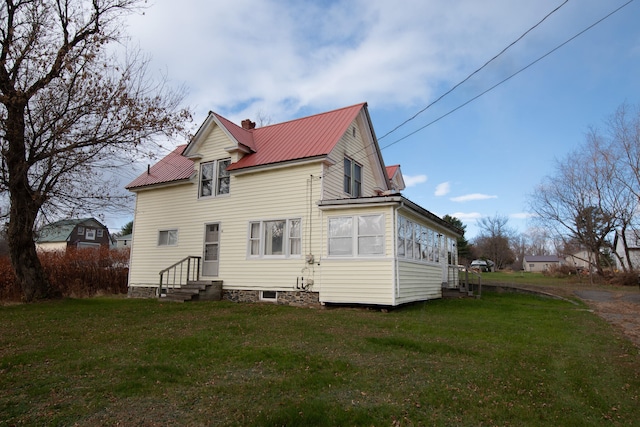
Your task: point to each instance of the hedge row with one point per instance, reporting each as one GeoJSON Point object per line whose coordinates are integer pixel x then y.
{"type": "Point", "coordinates": [75, 273]}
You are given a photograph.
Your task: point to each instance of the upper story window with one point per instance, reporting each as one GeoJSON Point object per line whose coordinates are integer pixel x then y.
{"type": "Point", "coordinates": [214, 178]}
{"type": "Point", "coordinates": [90, 234]}
{"type": "Point", "coordinates": [352, 178]}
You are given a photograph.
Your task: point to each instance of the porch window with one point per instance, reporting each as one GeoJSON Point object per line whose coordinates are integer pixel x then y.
{"type": "Point", "coordinates": [167, 237]}
{"type": "Point", "coordinates": [214, 178]}
{"type": "Point", "coordinates": [277, 238]}
{"type": "Point", "coordinates": [421, 243]}
{"type": "Point", "coordinates": [356, 235]}
{"type": "Point", "coordinates": [371, 235]}
{"type": "Point", "coordinates": [352, 178]}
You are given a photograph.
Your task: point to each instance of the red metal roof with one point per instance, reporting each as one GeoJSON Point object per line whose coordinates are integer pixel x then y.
{"type": "Point", "coordinates": [391, 170]}
{"type": "Point", "coordinates": [303, 138]}
{"type": "Point", "coordinates": [243, 136]}
{"type": "Point", "coordinates": [173, 167]}
{"type": "Point", "coordinates": [298, 139]}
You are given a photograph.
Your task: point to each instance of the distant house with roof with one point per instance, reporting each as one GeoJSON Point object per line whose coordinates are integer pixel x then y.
{"type": "Point", "coordinates": [632, 240]}
{"type": "Point", "coordinates": [299, 212]}
{"type": "Point", "coordinates": [540, 263]}
{"type": "Point", "coordinates": [77, 233]}
{"type": "Point", "coordinates": [123, 242]}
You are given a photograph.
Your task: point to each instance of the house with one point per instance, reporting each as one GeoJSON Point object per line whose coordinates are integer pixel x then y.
{"type": "Point", "coordinates": [300, 212]}
{"type": "Point", "coordinates": [632, 239]}
{"type": "Point", "coordinates": [540, 263]}
{"type": "Point", "coordinates": [76, 233]}
{"type": "Point", "coordinates": [123, 242]}
{"type": "Point", "coordinates": [582, 260]}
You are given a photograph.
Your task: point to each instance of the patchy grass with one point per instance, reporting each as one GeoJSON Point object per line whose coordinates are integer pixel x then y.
{"type": "Point", "coordinates": [505, 359]}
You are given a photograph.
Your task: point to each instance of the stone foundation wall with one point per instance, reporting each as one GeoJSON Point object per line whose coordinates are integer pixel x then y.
{"type": "Point", "coordinates": [296, 298]}
{"type": "Point", "coordinates": [142, 292]}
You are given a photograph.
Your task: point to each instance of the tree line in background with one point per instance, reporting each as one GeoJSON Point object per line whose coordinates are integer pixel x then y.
{"type": "Point", "coordinates": [589, 201]}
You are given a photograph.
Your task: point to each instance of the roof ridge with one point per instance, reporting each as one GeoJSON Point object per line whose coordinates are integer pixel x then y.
{"type": "Point", "coordinates": [361, 104]}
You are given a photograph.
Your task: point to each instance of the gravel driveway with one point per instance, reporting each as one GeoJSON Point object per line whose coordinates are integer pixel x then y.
{"type": "Point", "coordinates": [622, 309]}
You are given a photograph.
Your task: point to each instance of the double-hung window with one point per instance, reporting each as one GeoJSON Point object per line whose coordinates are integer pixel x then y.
{"type": "Point", "coordinates": [356, 235]}
{"type": "Point", "coordinates": [275, 238]}
{"type": "Point", "coordinates": [352, 178]}
{"type": "Point", "coordinates": [214, 178]}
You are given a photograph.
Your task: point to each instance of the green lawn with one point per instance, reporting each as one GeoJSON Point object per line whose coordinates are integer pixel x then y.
{"type": "Point", "coordinates": [505, 359]}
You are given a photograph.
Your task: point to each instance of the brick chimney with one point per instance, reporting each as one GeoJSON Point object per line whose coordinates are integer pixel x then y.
{"type": "Point", "coordinates": [248, 124]}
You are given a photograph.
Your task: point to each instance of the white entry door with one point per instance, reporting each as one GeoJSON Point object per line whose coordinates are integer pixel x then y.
{"type": "Point", "coordinates": [211, 252]}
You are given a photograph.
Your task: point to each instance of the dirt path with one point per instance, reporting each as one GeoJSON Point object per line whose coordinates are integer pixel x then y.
{"type": "Point", "coordinates": [622, 309]}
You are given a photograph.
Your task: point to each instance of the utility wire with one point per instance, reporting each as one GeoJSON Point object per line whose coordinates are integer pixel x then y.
{"type": "Point", "coordinates": [475, 72]}
{"type": "Point", "coordinates": [510, 77]}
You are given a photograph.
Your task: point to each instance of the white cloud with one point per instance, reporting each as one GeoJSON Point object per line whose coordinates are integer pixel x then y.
{"type": "Point", "coordinates": [471, 197]}
{"type": "Point", "coordinates": [411, 181]}
{"type": "Point", "coordinates": [244, 56]}
{"type": "Point", "coordinates": [443, 189]}
{"type": "Point", "coordinates": [462, 216]}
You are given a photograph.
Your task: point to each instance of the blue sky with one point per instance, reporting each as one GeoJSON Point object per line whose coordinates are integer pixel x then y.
{"type": "Point", "coordinates": [287, 59]}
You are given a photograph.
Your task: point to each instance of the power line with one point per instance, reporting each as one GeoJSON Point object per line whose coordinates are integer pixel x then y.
{"type": "Point", "coordinates": [475, 72]}
{"type": "Point", "coordinates": [509, 77]}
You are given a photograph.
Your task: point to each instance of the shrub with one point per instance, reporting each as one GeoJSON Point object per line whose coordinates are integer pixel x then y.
{"type": "Point", "coordinates": [560, 271]}
{"type": "Point", "coordinates": [76, 273]}
{"type": "Point", "coordinates": [626, 278]}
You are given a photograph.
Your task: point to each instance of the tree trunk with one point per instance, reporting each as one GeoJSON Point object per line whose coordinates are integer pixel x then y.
{"type": "Point", "coordinates": [26, 264]}
{"type": "Point", "coordinates": [25, 205]}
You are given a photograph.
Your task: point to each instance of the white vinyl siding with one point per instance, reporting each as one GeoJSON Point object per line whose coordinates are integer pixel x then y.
{"type": "Point", "coordinates": [356, 149]}
{"type": "Point", "coordinates": [253, 198]}
{"type": "Point", "coordinates": [362, 279]}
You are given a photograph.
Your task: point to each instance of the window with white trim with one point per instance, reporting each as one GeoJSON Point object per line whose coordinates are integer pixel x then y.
{"type": "Point", "coordinates": [214, 178]}
{"type": "Point", "coordinates": [90, 234]}
{"type": "Point", "coordinates": [100, 233]}
{"type": "Point", "coordinates": [167, 237]}
{"type": "Point", "coordinates": [271, 296]}
{"type": "Point", "coordinates": [361, 235]}
{"type": "Point", "coordinates": [419, 242]}
{"type": "Point", "coordinates": [352, 178]}
{"type": "Point", "coordinates": [275, 238]}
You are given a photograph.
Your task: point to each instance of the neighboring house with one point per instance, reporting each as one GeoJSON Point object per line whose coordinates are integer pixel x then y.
{"type": "Point", "coordinates": [123, 241]}
{"type": "Point", "coordinates": [298, 212]}
{"type": "Point", "coordinates": [76, 233]}
{"type": "Point", "coordinates": [632, 238]}
{"type": "Point", "coordinates": [582, 260]}
{"type": "Point", "coordinates": [540, 263]}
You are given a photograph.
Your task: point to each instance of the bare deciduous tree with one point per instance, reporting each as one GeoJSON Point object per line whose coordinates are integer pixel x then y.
{"type": "Point", "coordinates": [493, 242]}
{"type": "Point", "coordinates": [69, 109]}
{"type": "Point", "coordinates": [585, 200]}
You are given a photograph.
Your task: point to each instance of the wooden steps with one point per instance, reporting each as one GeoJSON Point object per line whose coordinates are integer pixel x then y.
{"type": "Point", "coordinates": [198, 290]}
